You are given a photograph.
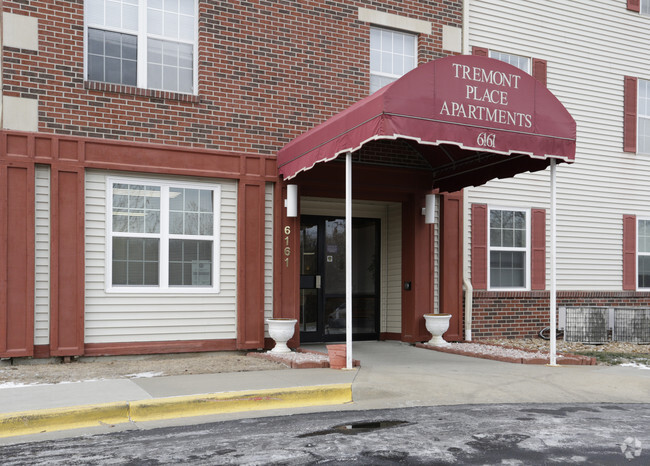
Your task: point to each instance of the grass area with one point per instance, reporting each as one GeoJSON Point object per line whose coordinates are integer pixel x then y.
{"type": "Point", "coordinates": [613, 359]}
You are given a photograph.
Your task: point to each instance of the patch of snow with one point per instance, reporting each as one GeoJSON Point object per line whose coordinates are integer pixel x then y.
{"type": "Point", "coordinates": [19, 385]}
{"type": "Point", "coordinates": [143, 375]}
{"type": "Point", "coordinates": [636, 364]}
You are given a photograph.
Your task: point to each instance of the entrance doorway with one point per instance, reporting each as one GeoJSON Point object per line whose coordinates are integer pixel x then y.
{"type": "Point", "coordinates": [322, 278]}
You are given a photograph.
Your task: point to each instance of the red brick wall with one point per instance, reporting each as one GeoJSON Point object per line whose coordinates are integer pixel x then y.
{"type": "Point", "coordinates": [524, 314]}
{"type": "Point", "coordinates": [268, 70]}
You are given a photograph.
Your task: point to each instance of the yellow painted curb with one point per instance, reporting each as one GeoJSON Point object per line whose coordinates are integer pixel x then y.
{"type": "Point", "coordinates": [50, 420]}
{"type": "Point", "coordinates": [218, 403]}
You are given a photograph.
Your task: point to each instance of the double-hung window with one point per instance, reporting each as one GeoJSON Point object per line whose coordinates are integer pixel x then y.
{"type": "Point", "coordinates": [523, 63]}
{"type": "Point", "coordinates": [643, 254]}
{"type": "Point", "coordinates": [162, 236]}
{"type": "Point", "coordinates": [145, 43]}
{"type": "Point", "coordinates": [509, 252]}
{"type": "Point", "coordinates": [392, 55]}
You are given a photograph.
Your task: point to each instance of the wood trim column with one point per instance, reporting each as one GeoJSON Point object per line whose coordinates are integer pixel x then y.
{"type": "Point", "coordinates": [417, 269]}
{"type": "Point", "coordinates": [451, 260]}
{"type": "Point", "coordinates": [17, 187]}
{"type": "Point", "coordinates": [67, 262]}
{"type": "Point", "coordinates": [286, 263]}
{"type": "Point", "coordinates": [250, 265]}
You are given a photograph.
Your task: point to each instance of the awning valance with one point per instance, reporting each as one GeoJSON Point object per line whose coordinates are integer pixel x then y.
{"type": "Point", "coordinates": [471, 118]}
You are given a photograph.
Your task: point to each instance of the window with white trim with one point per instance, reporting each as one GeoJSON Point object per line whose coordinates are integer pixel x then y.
{"type": "Point", "coordinates": [392, 55]}
{"type": "Point", "coordinates": [643, 117]}
{"type": "Point", "coordinates": [509, 252]}
{"type": "Point", "coordinates": [645, 7]}
{"type": "Point", "coordinates": [145, 43]}
{"type": "Point", "coordinates": [523, 63]}
{"type": "Point", "coordinates": [162, 236]}
{"type": "Point", "coordinates": [643, 254]}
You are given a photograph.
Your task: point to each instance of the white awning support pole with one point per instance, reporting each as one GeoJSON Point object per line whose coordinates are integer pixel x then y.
{"type": "Point", "coordinates": [348, 259]}
{"type": "Point", "coordinates": [553, 291]}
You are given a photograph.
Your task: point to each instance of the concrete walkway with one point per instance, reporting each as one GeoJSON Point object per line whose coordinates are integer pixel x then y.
{"type": "Point", "coordinates": [392, 375]}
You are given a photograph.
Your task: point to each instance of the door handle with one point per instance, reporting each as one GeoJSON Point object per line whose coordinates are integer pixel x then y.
{"type": "Point", "coordinates": [318, 281]}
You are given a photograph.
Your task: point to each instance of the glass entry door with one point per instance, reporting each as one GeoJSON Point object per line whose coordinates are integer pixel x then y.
{"type": "Point", "coordinates": [322, 278]}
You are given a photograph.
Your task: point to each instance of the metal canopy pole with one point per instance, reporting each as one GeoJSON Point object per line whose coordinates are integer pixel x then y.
{"type": "Point", "coordinates": [553, 291]}
{"type": "Point", "coordinates": [348, 260]}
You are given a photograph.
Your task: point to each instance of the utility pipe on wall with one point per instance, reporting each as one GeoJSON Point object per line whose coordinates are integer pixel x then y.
{"type": "Point", "coordinates": [467, 283]}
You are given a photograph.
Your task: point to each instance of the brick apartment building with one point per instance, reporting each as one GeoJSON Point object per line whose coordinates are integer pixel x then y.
{"type": "Point", "coordinates": [142, 194]}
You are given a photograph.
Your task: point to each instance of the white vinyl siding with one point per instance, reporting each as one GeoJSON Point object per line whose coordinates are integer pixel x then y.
{"type": "Point", "coordinates": [268, 254]}
{"type": "Point", "coordinates": [127, 317]}
{"type": "Point", "coordinates": [42, 258]}
{"type": "Point", "coordinates": [390, 215]}
{"type": "Point", "coordinates": [589, 52]}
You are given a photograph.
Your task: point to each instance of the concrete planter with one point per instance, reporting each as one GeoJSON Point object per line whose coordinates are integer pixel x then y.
{"type": "Point", "coordinates": [281, 330]}
{"type": "Point", "coordinates": [437, 325]}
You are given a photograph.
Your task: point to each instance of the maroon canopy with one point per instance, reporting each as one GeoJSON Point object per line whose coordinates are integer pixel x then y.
{"type": "Point", "coordinates": [470, 118]}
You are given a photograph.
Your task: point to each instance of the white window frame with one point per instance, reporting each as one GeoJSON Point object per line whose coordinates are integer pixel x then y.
{"type": "Point", "coordinates": [642, 115]}
{"type": "Point", "coordinates": [644, 7]}
{"type": "Point", "coordinates": [142, 39]}
{"type": "Point", "coordinates": [164, 237]}
{"type": "Point", "coordinates": [639, 254]}
{"type": "Point", "coordinates": [393, 76]}
{"type": "Point", "coordinates": [490, 248]}
{"type": "Point", "coordinates": [505, 56]}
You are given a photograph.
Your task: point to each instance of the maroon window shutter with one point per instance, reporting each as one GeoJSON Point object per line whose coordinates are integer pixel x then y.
{"type": "Point", "coordinates": [480, 51]}
{"type": "Point", "coordinates": [479, 246]}
{"type": "Point", "coordinates": [629, 252]}
{"type": "Point", "coordinates": [629, 118]}
{"type": "Point", "coordinates": [539, 70]}
{"type": "Point", "coordinates": [538, 249]}
{"type": "Point", "coordinates": [634, 5]}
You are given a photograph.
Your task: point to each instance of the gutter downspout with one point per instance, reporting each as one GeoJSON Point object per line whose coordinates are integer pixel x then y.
{"type": "Point", "coordinates": [467, 284]}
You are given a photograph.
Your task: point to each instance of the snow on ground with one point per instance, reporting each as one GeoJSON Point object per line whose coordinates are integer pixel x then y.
{"type": "Point", "coordinates": [637, 365]}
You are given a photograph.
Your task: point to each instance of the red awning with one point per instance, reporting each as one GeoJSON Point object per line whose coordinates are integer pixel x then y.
{"type": "Point", "coordinates": [470, 118]}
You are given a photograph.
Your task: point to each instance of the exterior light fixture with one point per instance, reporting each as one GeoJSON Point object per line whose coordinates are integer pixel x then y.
{"type": "Point", "coordinates": [291, 202]}
{"type": "Point", "coordinates": [429, 210]}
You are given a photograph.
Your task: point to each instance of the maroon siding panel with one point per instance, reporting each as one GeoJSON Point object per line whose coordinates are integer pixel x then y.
{"type": "Point", "coordinates": [250, 333]}
{"type": "Point", "coordinates": [538, 250]}
{"type": "Point", "coordinates": [634, 5]}
{"type": "Point", "coordinates": [67, 299]}
{"type": "Point", "coordinates": [629, 120]}
{"type": "Point", "coordinates": [480, 51]}
{"type": "Point", "coordinates": [539, 70]}
{"type": "Point", "coordinates": [629, 252]}
{"type": "Point", "coordinates": [17, 306]}
{"type": "Point", "coordinates": [479, 246]}
{"type": "Point", "coordinates": [451, 259]}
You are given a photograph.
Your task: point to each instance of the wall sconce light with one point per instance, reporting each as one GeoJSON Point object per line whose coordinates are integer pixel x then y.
{"type": "Point", "coordinates": [429, 210]}
{"type": "Point", "coordinates": [291, 202]}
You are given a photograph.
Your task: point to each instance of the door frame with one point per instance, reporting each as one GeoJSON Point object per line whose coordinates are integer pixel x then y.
{"type": "Point", "coordinates": [319, 335]}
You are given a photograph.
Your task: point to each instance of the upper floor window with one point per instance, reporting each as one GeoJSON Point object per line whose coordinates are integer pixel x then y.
{"type": "Point", "coordinates": [523, 63]}
{"type": "Point", "coordinates": [645, 7]}
{"type": "Point", "coordinates": [162, 236]}
{"type": "Point", "coordinates": [392, 54]}
{"type": "Point", "coordinates": [508, 249]}
{"type": "Point", "coordinates": [144, 43]}
{"type": "Point", "coordinates": [643, 117]}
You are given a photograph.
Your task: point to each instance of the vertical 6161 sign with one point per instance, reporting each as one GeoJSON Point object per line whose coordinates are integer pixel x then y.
{"type": "Point", "coordinates": [287, 248]}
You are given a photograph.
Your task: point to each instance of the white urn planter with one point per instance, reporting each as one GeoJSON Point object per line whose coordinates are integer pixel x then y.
{"type": "Point", "coordinates": [281, 330]}
{"type": "Point", "coordinates": [437, 324]}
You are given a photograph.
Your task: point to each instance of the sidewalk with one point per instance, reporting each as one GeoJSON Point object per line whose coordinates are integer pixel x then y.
{"type": "Point", "coordinates": [392, 374]}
